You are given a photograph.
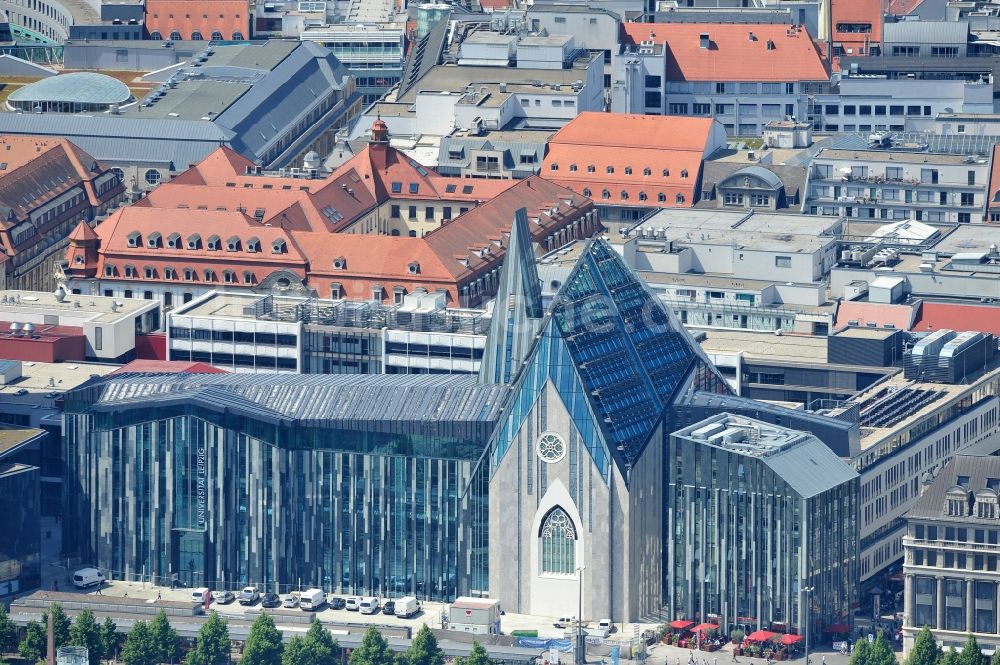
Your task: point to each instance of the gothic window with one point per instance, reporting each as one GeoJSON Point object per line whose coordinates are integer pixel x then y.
{"type": "Point", "coordinates": [551, 447]}
{"type": "Point", "coordinates": [558, 543]}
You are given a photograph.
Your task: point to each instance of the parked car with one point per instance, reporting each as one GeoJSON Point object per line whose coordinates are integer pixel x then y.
{"type": "Point", "coordinates": [565, 622]}
{"type": "Point", "coordinates": [368, 605]}
{"type": "Point", "coordinates": [352, 603]}
{"type": "Point", "coordinates": [249, 596]}
{"type": "Point", "coordinates": [606, 625]}
{"type": "Point", "coordinates": [336, 602]}
{"type": "Point", "coordinates": [406, 606]}
{"type": "Point", "coordinates": [291, 601]}
{"type": "Point", "coordinates": [388, 607]}
{"type": "Point", "coordinates": [224, 597]}
{"type": "Point", "coordinates": [270, 600]}
{"type": "Point", "coordinates": [201, 594]}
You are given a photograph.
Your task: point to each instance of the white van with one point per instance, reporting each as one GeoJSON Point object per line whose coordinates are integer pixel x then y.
{"type": "Point", "coordinates": [311, 600]}
{"type": "Point", "coordinates": [565, 622]}
{"type": "Point", "coordinates": [200, 594]}
{"type": "Point", "coordinates": [368, 605]}
{"type": "Point", "coordinates": [351, 605]}
{"type": "Point", "coordinates": [407, 606]}
{"type": "Point", "coordinates": [88, 577]}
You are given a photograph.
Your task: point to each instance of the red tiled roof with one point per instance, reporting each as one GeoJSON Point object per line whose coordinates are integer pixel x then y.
{"type": "Point", "coordinates": [856, 12]}
{"type": "Point", "coordinates": [994, 191]}
{"type": "Point", "coordinates": [958, 317]}
{"type": "Point", "coordinates": [83, 232]}
{"type": "Point", "coordinates": [903, 7]}
{"type": "Point", "coordinates": [189, 16]}
{"type": "Point", "coordinates": [732, 54]}
{"type": "Point", "coordinates": [863, 312]}
{"type": "Point", "coordinates": [167, 367]}
{"type": "Point", "coordinates": [663, 153]}
{"type": "Point", "coordinates": [493, 5]}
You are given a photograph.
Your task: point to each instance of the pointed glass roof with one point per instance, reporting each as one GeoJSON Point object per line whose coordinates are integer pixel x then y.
{"type": "Point", "coordinates": [628, 357]}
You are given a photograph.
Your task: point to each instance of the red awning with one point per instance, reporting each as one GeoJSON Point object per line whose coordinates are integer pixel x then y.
{"type": "Point", "coordinates": [761, 636]}
{"type": "Point", "coordinates": [681, 624]}
{"type": "Point", "coordinates": [704, 626]}
{"type": "Point", "coordinates": [839, 628]}
{"type": "Point", "coordinates": [791, 639]}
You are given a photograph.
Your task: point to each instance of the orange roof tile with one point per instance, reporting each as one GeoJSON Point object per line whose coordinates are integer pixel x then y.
{"type": "Point", "coordinates": [732, 55]}
{"type": "Point", "coordinates": [856, 12]}
{"type": "Point", "coordinates": [83, 232]}
{"type": "Point", "coordinates": [958, 317]}
{"type": "Point", "coordinates": [656, 156]}
{"type": "Point", "coordinates": [863, 313]}
{"type": "Point", "coordinates": [189, 16]}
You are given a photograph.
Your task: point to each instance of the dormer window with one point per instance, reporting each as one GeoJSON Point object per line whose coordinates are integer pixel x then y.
{"type": "Point", "coordinates": [209, 275]}
{"type": "Point", "coordinates": [194, 241]}
{"type": "Point", "coordinates": [666, 173]}
{"type": "Point", "coordinates": [679, 198]}
{"type": "Point", "coordinates": [278, 247]}
{"type": "Point", "coordinates": [169, 273]}
{"type": "Point", "coordinates": [248, 277]}
{"type": "Point", "coordinates": [413, 268]}
{"type": "Point", "coordinates": [189, 274]}
{"type": "Point", "coordinates": [129, 271]}
{"type": "Point", "coordinates": [228, 276]}
{"type": "Point", "coordinates": [233, 244]}
{"type": "Point", "coordinates": [109, 271]}
{"type": "Point", "coordinates": [212, 244]}
{"type": "Point", "coordinates": [647, 171]}
{"type": "Point", "coordinates": [253, 245]}
{"type": "Point", "coordinates": [624, 195]}
{"type": "Point", "coordinates": [155, 240]}
{"type": "Point", "coordinates": [605, 194]}
{"type": "Point", "coordinates": [642, 196]}
{"type": "Point", "coordinates": [661, 197]}
{"type": "Point", "coordinates": [628, 170]}
{"type": "Point", "coordinates": [340, 263]}
{"type": "Point", "coordinates": [572, 167]}
{"type": "Point", "coordinates": [174, 241]}
{"type": "Point", "coordinates": [591, 168]}
{"type": "Point", "coordinates": [956, 503]}
{"type": "Point", "coordinates": [554, 167]}
{"type": "Point", "coordinates": [611, 170]}
{"type": "Point", "coordinates": [134, 239]}
{"type": "Point", "coordinates": [684, 173]}
{"type": "Point", "coordinates": [150, 272]}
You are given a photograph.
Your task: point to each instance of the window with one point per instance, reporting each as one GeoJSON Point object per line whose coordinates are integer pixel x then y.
{"type": "Point", "coordinates": [169, 273]}
{"type": "Point", "coordinates": [677, 109]}
{"type": "Point", "coordinates": [628, 170]}
{"type": "Point", "coordinates": [446, 212]}
{"type": "Point", "coordinates": [702, 109]}
{"type": "Point", "coordinates": [429, 212]}
{"type": "Point", "coordinates": [894, 173]}
{"type": "Point", "coordinates": [605, 194]}
{"type": "Point", "coordinates": [879, 110]}
{"type": "Point", "coordinates": [907, 51]}
{"type": "Point", "coordinates": [760, 199]}
{"type": "Point", "coordinates": [558, 543]}
{"type": "Point", "coordinates": [152, 176]}
{"type": "Point", "coordinates": [679, 198]}
{"type": "Point", "coordinates": [397, 187]}
{"type": "Point", "coordinates": [968, 198]}
{"type": "Point", "coordinates": [864, 109]}
{"type": "Point", "coordinates": [684, 173]}
{"type": "Point", "coordinates": [654, 99]}
{"type": "Point", "coordinates": [591, 168]}
{"type": "Point", "coordinates": [572, 168]}
{"type": "Point", "coordinates": [850, 109]}
{"type": "Point", "coordinates": [586, 192]}
{"type": "Point", "coordinates": [782, 262]}
{"type": "Point", "coordinates": [944, 51]}
{"type": "Point", "coordinates": [652, 81]}
{"type": "Point", "coordinates": [414, 188]}
{"type": "Point", "coordinates": [412, 212]}
{"type": "Point", "coordinates": [394, 211]}
{"type": "Point", "coordinates": [733, 199]}
{"type": "Point", "coordinates": [611, 170]}
{"type": "Point", "coordinates": [624, 195]}
{"type": "Point", "coordinates": [896, 110]}
{"type": "Point", "coordinates": [661, 197]}
{"type": "Point", "coordinates": [642, 196]}
{"type": "Point", "coordinates": [121, 55]}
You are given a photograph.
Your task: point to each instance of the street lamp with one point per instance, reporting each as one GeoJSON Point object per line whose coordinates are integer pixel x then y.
{"type": "Point", "coordinates": [581, 653]}
{"type": "Point", "coordinates": [804, 592]}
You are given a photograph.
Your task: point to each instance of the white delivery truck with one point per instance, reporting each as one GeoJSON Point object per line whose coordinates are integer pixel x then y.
{"type": "Point", "coordinates": [407, 606]}
{"type": "Point", "coordinates": [311, 600]}
{"type": "Point", "coordinates": [88, 577]}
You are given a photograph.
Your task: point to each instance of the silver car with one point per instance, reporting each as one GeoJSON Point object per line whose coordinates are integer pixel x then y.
{"type": "Point", "coordinates": [224, 597]}
{"type": "Point", "coordinates": [291, 601]}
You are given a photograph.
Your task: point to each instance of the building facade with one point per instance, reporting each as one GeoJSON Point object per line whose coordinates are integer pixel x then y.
{"type": "Point", "coordinates": [951, 548]}
{"type": "Point", "coordinates": [759, 513]}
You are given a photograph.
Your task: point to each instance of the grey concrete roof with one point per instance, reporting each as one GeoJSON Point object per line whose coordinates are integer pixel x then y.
{"type": "Point", "coordinates": [82, 87]}
{"type": "Point", "coordinates": [925, 32]}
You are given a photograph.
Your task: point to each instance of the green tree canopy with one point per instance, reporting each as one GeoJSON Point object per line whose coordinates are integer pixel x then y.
{"type": "Point", "coordinates": [424, 649]}
{"type": "Point", "coordinates": [478, 655]}
{"type": "Point", "coordinates": [60, 625]}
{"type": "Point", "coordinates": [971, 653]}
{"type": "Point", "coordinates": [317, 647]}
{"type": "Point", "coordinates": [139, 648]}
{"type": "Point", "coordinates": [263, 646]}
{"type": "Point", "coordinates": [374, 650]}
{"type": "Point", "coordinates": [8, 631]}
{"type": "Point", "coordinates": [880, 652]}
{"type": "Point", "coordinates": [87, 633]}
{"type": "Point", "coordinates": [212, 646]}
{"type": "Point", "coordinates": [950, 657]}
{"type": "Point", "coordinates": [860, 654]}
{"type": "Point", "coordinates": [164, 638]}
{"type": "Point", "coordinates": [109, 639]}
{"type": "Point", "coordinates": [33, 645]}
{"type": "Point", "coordinates": [925, 649]}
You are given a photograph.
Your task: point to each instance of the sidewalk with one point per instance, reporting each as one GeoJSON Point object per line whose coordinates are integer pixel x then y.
{"type": "Point", "coordinates": [663, 654]}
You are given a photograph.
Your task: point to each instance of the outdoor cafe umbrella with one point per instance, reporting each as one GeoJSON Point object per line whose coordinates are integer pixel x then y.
{"type": "Point", "coordinates": [790, 639]}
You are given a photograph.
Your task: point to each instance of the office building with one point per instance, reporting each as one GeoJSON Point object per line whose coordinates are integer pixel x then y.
{"type": "Point", "coordinates": [951, 546]}
{"type": "Point", "coordinates": [20, 513]}
{"type": "Point", "coordinates": [742, 75]}
{"type": "Point", "coordinates": [760, 513]}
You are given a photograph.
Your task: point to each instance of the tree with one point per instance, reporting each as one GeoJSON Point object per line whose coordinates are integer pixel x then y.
{"type": "Point", "coordinates": [164, 638]}
{"type": "Point", "coordinates": [87, 633]}
{"type": "Point", "coordinates": [971, 653]}
{"type": "Point", "coordinates": [33, 645]}
{"type": "Point", "coordinates": [374, 650]}
{"type": "Point", "coordinates": [317, 647]}
{"type": "Point", "coordinates": [477, 656]}
{"type": "Point", "coordinates": [8, 631]}
{"type": "Point", "coordinates": [263, 645]}
{"type": "Point", "coordinates": [925, 649]}
{"type": "Point", "coordinates": [950, 657]}
{"type": "Point", "coordinates": [424, 649]}
{"type": "Point", "coordinates": [880, 652]}
{"type": "Point", "coordinates": [109, 639]}
{"type": "Point", "coordinates": [212, 646]}
{"type": "Point", "coordinates": [139, 648]}
{"type": "Point", "coordinates": [996, 658]}
{"type": "Point", "coordinates": [60, 624]}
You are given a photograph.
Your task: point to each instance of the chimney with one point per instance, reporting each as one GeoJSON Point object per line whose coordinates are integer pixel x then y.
{"type": "Point", "coordinates": [770, 45]}
{"type": "Point", "coordinates": [51, 644]}
{"type": "Point", "coordinates": [751, 37]}
{"type": "Point", "coordinates": [703, 40]}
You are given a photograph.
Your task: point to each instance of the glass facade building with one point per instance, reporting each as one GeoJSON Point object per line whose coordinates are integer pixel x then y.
{"type": "Point", "coordinates": [758, 513]}
{"type": "Point", "coordinates": [337, 482]}
{"type": "Point", "coordinates": [20, 545]}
